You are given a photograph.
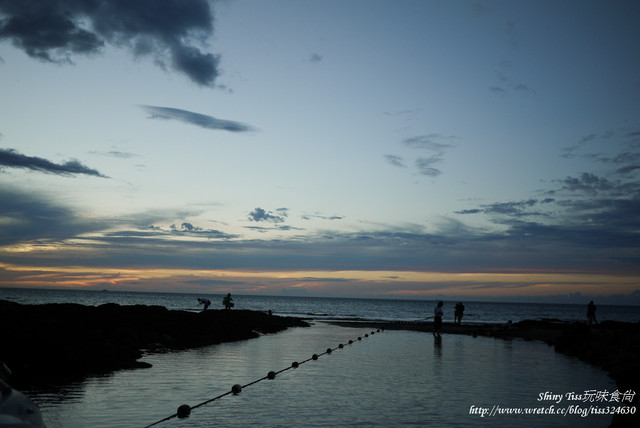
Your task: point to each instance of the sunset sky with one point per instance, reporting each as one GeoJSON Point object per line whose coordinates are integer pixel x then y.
{"type": "Point", "coordinates": [485, 150]}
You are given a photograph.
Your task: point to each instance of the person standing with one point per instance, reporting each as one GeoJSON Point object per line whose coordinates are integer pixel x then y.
{"type": "Point", "coordinates": [591, 313]}
{"type": "Point", "coordinates": [457, 316]}
{"type": "Point", "coordinates": [437, 319]}
{"type": "Point", "coordinates": [228, 301]}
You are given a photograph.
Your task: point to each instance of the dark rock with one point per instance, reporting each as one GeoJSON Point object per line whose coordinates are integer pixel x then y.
{"type": "Point", "coordinates": [64, 342]}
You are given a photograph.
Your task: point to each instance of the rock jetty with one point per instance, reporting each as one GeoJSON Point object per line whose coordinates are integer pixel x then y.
{"type": "Point", "coordinates": [65, 342]}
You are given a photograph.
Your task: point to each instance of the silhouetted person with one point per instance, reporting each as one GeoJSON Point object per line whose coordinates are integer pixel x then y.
{"type": "Point", "coordinates": [205, 302]}
{"type": "Point", "coordinates": [459, 311]}
{"type": "Point", "coordinates": [591, 313]}
{"type": "Point", "coordinates": [228, 302]}
{"type": "Point", "coordinates": [437, 319]}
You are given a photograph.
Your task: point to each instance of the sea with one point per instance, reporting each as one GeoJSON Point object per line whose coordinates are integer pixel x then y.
{"type": "Point", "coordinates": [369, 379]}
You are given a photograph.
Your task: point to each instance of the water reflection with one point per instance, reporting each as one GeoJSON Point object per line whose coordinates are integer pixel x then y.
{"type": "Point", "coordinates": [419, 382]}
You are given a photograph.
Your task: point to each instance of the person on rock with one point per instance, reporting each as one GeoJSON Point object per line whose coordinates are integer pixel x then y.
{"type": "Point", "coordinates": [205, 302]}
{"type": "Point", "coordinates": [228, 302]}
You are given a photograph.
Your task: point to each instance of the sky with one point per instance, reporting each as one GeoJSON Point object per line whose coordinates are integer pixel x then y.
{"type": "Point", "coordinates": [474, 150]}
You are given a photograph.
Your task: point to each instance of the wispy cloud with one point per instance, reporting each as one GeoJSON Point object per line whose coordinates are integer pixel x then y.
{"type": "Point", "coordinates": [197, 119]}
{"type": "Point", "coordinates": [435, 144]}
{"type": "Point", "coordinates": [171, 32]}
{"type": "Point", "coordinates": [12, 159]}
{"type": "Point", "coordinates": [395, 160]}
{"type": "Point", "coordinates": [321, 216]}
{"type": "Point", "coordinates": [116, 154]}
{"type": "Point", "coordinates": [507, 85]}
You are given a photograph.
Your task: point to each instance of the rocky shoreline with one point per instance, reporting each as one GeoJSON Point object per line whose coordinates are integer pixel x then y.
{"type": "Point", "coordinates": [610, 345]}
{"type": "Point", "coordinates": [59, 343]}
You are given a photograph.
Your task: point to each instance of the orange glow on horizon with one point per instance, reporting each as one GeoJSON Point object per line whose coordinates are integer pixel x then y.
{"type": "Point", "coordinates": [353, 282]}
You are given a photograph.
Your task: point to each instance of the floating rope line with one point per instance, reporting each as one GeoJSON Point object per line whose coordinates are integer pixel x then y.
{"type": "Point", "coordinates": [185, 410]}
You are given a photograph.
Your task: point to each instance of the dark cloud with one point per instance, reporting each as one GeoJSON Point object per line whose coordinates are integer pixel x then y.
{"type": "Point", "coordinates": [170, 31]}
{"type": "Point", "coordinates": [260, 214]}
{"type": "Point", "coordinates": [12, 159]}
{"type": "Point", "coordinates": [197, 119]}
{"type": "Point", "coordinates": [588, 183]}
{"type": "Point", "coordinates": [29, 217]}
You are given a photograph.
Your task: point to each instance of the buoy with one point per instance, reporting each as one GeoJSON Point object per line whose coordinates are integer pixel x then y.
{"type": "Point", "coordinates": [350, 342]}
{"type": "Point", "coordinates": [366, 335]}
{"type": "Point", "coordinates": [314, 357]}
{"type": "Point", "coordinates": [295, 364]}
{"type": "Point", "coordinates": [329, 350]}
{"type": "Point", "coordinates": [184, 411]}
{"type": "Point", "coordinates": [341, 346]}
{"type": "Point", "coordinates": [271, 375]}
{"type": "Point", "coordinates": [236, 389]}
{"type": "Point", "coordinates": [359, 338]}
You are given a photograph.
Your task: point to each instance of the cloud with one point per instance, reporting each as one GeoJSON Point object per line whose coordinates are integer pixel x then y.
{"type": "Point", "coordinates": [197, 119]}
{"type": "Point", "coordinates": [116, 154]}
{"type": "Point", "coordinates": [425, 166]}
{"type": "Point", "coordinates": [506, 86]}
{"type": "Point", "coordinates": [436, 144]}
{"type": "Point", "coordinates": [315, 58]}
{"type": "Point", "coordinates": [433, 142]}
{"type": "Point", "coordinates": [170, 31]}
{"type": "Point", "coordinates": [588, 183]}
{"type": "Point", "coordinates": [29, 217]}
{"type": "Point", "coordinates": [260, 214]}
{"type": "Point", "coordinates": [12, 159]}
{"type": "Point", "coordinates": [322, 217]}
{"type": "Point", "coordinates": [395, 160]}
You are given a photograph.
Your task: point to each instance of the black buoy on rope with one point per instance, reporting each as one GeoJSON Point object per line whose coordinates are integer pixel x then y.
{"type": "Point", "coordinates": [295, 364]}
{"type": "Point", "coordinates": [236, 389]}
{"type": "Point", "coordinates": [329, 350]}
{"type": "Point", "coordinates": [314, 357]}
{"type": "Point", "coordinates": [184, 411]}
{"type": "Point", "coordinates": [341, 346]}
{"type": "Point", "coordinates": [271, 375]}
{"type": "Point", "coordinates": [359, 338]}
{"type": "Point", "coordinates": [350, 341]}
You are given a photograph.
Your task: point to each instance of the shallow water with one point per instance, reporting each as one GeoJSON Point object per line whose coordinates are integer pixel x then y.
{"type": "Point", "coordinates": [388, 379]}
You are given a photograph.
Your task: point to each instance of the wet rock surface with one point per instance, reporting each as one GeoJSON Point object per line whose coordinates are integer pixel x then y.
{"type": "Point", "coordinates": [65, 342]}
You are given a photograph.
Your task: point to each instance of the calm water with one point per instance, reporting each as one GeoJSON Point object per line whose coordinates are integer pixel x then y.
{"type": "Point", "coordinates": [388, 379]}
{"type": "Point", "coordinates": [332, 308]}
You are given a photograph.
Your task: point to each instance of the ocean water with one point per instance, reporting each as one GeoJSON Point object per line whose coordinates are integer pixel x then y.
{"type": "Point", "coordinates": [390, 378]}
{"type": "Point", "coordinates": [319, 308]}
